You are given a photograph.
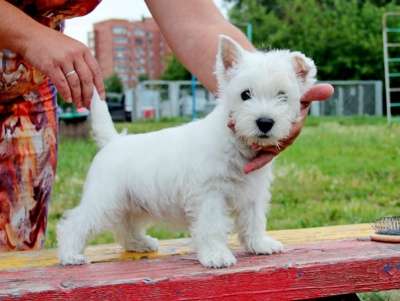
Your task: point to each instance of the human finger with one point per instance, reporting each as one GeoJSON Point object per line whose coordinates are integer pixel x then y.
{"type": "Point", "coordinates": [96, 74]}
{"type": "Point", "coordinates": [86, 81]}
{"type": "Point", "coordinates": [317, 92]}
{"type": "Point", "coordinates": [58, 78]}
{"type": "Point", "coordinates": [74, 83]}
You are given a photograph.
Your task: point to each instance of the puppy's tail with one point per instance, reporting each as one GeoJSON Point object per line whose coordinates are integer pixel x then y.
{"type": "Point", "coordinates": [102, 125]}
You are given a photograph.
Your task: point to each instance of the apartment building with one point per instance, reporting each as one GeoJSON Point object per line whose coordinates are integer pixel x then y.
{"type": "Point", "coordinates": [131, 49]}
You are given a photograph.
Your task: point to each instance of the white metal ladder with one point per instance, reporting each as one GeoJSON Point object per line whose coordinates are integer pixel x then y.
{"type": "Point", "coordinates": [390, 61]}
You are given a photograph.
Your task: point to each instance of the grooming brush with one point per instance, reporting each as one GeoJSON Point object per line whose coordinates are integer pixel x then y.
{"type": "Point", "coordinates": [387, 229]}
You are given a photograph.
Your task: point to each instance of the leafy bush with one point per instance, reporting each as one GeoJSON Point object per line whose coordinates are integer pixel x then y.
{"type": "Point", "coordinates": [113, 84]}
{"type": "Point", "coordinates": [175, 70]}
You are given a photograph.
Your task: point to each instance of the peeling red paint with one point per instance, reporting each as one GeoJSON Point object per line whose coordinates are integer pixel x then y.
{"type": "Point", "coordinates": [302, 272]}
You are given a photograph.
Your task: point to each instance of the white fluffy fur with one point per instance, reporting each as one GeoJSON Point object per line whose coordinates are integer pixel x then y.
{"type": "Point", "coordinates": [192, 175]}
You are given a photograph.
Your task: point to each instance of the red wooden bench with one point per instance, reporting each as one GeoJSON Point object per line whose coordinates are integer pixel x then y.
{"type": "Point", "coordinates": [317, 262]}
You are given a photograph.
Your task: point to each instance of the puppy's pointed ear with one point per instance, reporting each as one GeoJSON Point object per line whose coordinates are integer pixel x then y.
{"type": "Point", "coordinates": [229, 55]}
{"type": "Point", "coordinates": [303, 66]}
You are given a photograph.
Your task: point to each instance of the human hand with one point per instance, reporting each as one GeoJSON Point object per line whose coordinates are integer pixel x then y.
{"type": "Point", "coordinates": [68, 63]}
{"type": "Point", "coordinates": [318, 92]}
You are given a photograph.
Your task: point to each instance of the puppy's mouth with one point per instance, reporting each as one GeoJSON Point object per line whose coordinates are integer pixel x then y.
{"type": "Point", "coordinates": [259, 142]}
{"type": "Point", "coordinates": [256, 142]}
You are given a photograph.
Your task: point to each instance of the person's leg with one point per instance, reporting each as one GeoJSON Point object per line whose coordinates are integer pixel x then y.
{"type": "Point", "coordinates": [28, 158]}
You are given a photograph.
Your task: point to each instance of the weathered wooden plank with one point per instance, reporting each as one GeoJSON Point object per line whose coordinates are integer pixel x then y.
{"type": "Point", "coordinates": [301, 272]}
{"type": "Point", "coordinates": [113, 252]}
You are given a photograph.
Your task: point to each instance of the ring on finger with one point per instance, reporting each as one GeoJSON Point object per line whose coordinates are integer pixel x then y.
{"type": "Point", "coordinates": [72, 72]}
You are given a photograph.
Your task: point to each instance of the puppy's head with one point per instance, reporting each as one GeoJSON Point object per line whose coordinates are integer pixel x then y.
{"type": "Point", "coordinates": [262, 90]}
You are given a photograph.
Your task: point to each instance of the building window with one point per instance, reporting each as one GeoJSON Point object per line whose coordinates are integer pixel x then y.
{"type": "Point", "coordinates": [138, 32]}
{"type": "Point", "coordinates": [121, 40]}
{"type": "Point", "coordinates": [119, 54]}
{"type": "Point", "coordinates": [120, 58]}
{"type": "Point", "coordinates": [139, 52]}
{"type": "Point", "coordinates": [121, 69]}
{"type": "Point", "coordinates": [119, 30]}
{"type": "Point", "coordinates": [120, 48]}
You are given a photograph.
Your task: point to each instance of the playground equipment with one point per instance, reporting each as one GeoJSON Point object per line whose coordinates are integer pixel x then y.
{"type": "Point", "coordinates": [391, 56]}
{"type": "Point", "coordinates": [73, 122]}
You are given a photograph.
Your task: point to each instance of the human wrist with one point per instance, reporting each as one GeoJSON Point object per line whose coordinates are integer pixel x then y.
{"type": "Point", "coordinates": [20, 42]}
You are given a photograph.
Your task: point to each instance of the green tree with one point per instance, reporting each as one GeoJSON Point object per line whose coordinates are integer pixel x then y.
{"type": "Point", "coordinates": [275, 4]}
{"type": "Point", "coordinates": [113, 84]}
{"type": "Point", "coordinates": [343, 37]}
{"type": "Point", "coordinates": [142, 77]}
{"type": "Point", "coordinates": [175, 70]}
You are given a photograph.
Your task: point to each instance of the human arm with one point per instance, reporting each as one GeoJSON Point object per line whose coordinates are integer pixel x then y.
{"type": "Point", "coordinates": [51, 52]}
{"type": "Point", "coordinates": [192, 29]}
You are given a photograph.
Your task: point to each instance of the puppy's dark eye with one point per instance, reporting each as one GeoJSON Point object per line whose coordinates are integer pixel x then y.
{"type": "Point", "coordinates": [282, 95]}
{"type": "Point", "coordinates": [245, 95]}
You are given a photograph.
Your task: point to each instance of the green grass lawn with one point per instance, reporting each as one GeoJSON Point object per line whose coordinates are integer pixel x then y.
{"type": "Point", "coordinates": [340, 171]}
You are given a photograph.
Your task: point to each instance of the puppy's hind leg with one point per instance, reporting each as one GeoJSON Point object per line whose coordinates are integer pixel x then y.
{"type": "Point", "coordinates": [74, 230]}
{"type": "Point", "coordinates": [130, 232]}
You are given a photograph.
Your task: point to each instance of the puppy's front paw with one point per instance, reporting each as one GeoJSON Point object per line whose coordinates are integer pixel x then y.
{"type": "Point", "coordinates": [77, 259]}
{"type": "Point", "coordinates": [218, 257]}
{"type": "Point", "coordinates": [265, 245]}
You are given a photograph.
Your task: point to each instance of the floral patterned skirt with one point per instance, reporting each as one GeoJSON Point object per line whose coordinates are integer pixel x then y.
{"type": "Point", "coordinates": [28, 158]}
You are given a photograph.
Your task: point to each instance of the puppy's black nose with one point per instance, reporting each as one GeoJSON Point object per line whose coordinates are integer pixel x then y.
{"type": "Point", "coordinates": [265, 124]}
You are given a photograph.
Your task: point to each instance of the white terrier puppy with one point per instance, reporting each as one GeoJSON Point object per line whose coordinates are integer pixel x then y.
{"type": "Point", "coordinates": [192, 175]}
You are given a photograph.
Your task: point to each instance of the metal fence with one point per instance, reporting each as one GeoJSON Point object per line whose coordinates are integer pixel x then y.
{"type": "Point", "coordinates": [158, 99]}
{"type": "Point", "coordinates": [351, 98]}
